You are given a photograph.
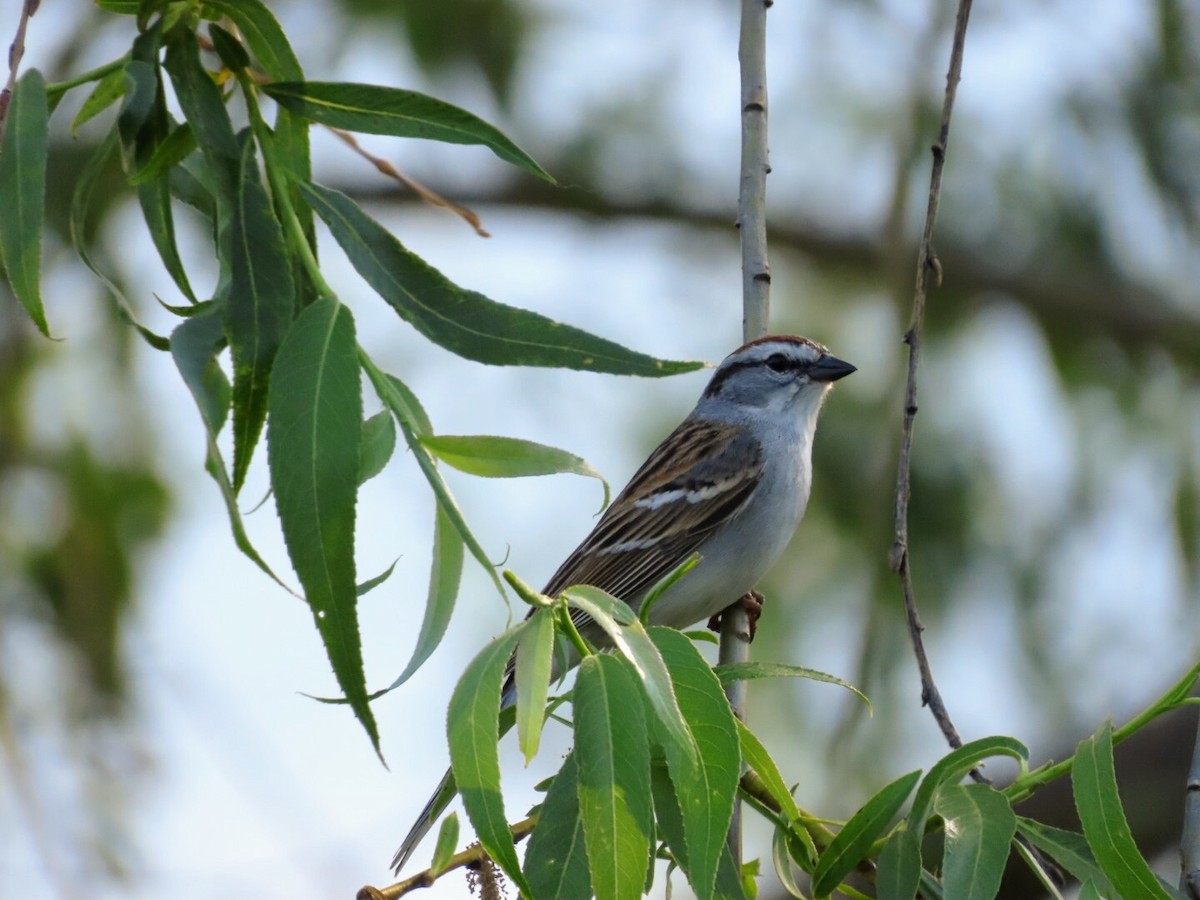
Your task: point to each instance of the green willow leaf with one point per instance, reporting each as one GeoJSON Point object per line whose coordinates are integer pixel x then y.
{"type": "Point", "coordinates": [393, 111]}
{"type": "Point", "coordinates": [174, 148]}
{"type": "Point", "coordinates": [443, 591]}
{"type": "Point", "coordinates": [378, 445]}
{"type": "Point", "coordinates": [667, 814]}
{"type": "Point", "coordinates": [194, 346]}
{"type": "Point", "coordinates": [747, 671]}
{"type": "Point", "coordinates": [465, 322]}
{"type": "Point", "coordinates": [490, 456]}
{"type": "Point", "coordinates": [612, 749]}
{"type": "Point", "coordinates": [313, 431]}
{"type": "Point", "coordinates": [371, 583]}
{"type": "Point", "coordinates": [556, 863]}
{"type": "Point", "coordinates": [633, 642]}
{"type": "Point", "coordinates": [899, 872]}
{"type": "Point", "coordinates": [107, 91]}
{"type": "Point", "coordinates": [262, 34]}
{"type": "Point", "coordinates": [473, 729]}
{"type": "Point", "coordinates": [1104, 825]}
{"type": "Point", "coordinates": [706, 792]}
{"type": "Point", "coordinates": [81, 201]}
{"type": "Point", "coordinates": [1067, 848]}
{"type": "Point", "coordinates": [413, 423]}
{"type": "Point", "coordinates": [900, 862]}
{"type": "Point", "coordinates": [757, 758]}
{"type": "Point", "coordinates": [23, 187]}
{"type": "Point", "coordinates": [447, 843]}
{"type": "Point", "coordinates": [261, 305]}
{"type": "Point", "coordinates": [855, 839]}
{"type": "Point", "coordinates": [535, 654]}
{"type": "Point", "coordinates": [979, 824]}
{"type": "Point", "coordinates": [954, 766]}
{"type": "Point", "coordinates": [229, 48]}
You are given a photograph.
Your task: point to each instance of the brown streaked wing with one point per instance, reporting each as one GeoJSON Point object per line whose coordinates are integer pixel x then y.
{"type": "Point", "coordinates": [696, 456]}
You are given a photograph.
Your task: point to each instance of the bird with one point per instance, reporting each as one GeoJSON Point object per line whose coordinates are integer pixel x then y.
{"type": "Point", "coordinates": [730, 483]}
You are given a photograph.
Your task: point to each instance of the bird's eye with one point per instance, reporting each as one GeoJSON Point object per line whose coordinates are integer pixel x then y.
{"type": "Point", "coordinates": [777, 362]}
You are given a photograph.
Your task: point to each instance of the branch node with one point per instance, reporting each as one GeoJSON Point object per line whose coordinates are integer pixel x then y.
{"type": "Point", "coordinates": [939, 152]}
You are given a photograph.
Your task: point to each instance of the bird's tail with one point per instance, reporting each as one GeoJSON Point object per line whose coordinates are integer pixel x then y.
{"type": "Point", "coordinates": [447, 789]}
{"type": "Point", "coordinates": [435, 807]}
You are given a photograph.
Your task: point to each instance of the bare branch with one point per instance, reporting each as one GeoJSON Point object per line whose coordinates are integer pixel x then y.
{"type": "Point", "coordinates": [756, 296]}
{"type": "Point", "coordinates": [16, 52]}
{"type": "Point", "coordinates": [1189, 846]}
{"type": "Point", "coordinates": [927, 266]}
{"type": "Point", "coordinates": [473, 858]}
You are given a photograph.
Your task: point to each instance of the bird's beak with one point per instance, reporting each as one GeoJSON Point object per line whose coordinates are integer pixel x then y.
{"type": "Point", "coordinates": [829, 368]}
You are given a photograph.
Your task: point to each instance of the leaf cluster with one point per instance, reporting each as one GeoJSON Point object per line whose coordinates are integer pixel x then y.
{"type": "Point", "coordinates": [270, 350]}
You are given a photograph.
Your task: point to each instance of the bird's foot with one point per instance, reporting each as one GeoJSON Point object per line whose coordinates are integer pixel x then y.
{"type": "Point", "coordinates": [752, 603]}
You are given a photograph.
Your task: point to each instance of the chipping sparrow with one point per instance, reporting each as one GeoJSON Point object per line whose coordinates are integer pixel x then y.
{"type": "Point", "coordinates": [730, 482]}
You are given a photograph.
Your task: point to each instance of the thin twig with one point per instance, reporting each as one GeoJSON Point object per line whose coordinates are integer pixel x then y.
{"type": "Point", "coordinates": [433, 198]}
{"type": "Point", "coordinates": [16, 51]}
{"type": "Point", "coordinates": [1189, 845]}
{"type": "Point", "coordinates": [756, 290]}
{"type": "Point", "coordinates": [927, 265]}
{"type": "Point", "coordinates": [474, 857]}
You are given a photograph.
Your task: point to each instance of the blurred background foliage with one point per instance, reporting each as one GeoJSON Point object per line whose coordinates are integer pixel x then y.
{"type": "Point", "coordinates": [1056, 474]}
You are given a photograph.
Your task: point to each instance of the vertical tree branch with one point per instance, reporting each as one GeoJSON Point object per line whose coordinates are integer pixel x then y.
{"type": "Point", "coordinates": [16, 51]}
{"type": "Point", "coordinates": [927, 265]}
{"type": "Point", "coordinates": [1189, 846]}
{"type": "Point", "coordinates": [756, 290]}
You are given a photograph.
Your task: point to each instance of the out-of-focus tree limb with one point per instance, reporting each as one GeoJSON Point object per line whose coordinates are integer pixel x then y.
{"type": "Point", "coordinates": [1080, 298]}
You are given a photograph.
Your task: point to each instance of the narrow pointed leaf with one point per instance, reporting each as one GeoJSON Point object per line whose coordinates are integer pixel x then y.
{"type": "Point", "coordinates": [313, 432]}
{"type": "Point", "coordinates": [781, 860]}
{"type": "Point", "coordinates": [612, 748]}
{"type": "Point", "coordinates": [108, 90]}
{"type": "Point", "coordinates": [413, 423]}
{"type": "Point", "coordinates": [269, 45]}
{"type": "Point", "coordinates": [1104, 825]}
{"type": "Point", "coordinates": [490, 456]}
{"type": "Point", "coordinates": [150, 151]}
{"type": "Point", "coordinates": [556, 863]}
{"type": "Point", "coordinates": [23, 187]}
{"type": "Point", "coordinates": [371, 583]}
{"type": "Point", "coordinates": [473, 730]}
{"type": "Point", "coordinates": [671, 830]}
{"type": "Point", "coordinates": [979, 824]}
{"type": "Point", "coordinates": [447, 843]}
{"type": "Point", "coordinates": [175, 146]}
{"type": "Point", "coordinates": [899, 872]}
{"type": "Point", "coordinates": [378, 445]}
{"type": "Point", "coordinates": [706, 791]}
{"type": "Point", "coordinates": [205, 110]}
{"type": "Point", "coordinates": [746, 671]}
{"type": "Point", "coordinates": [374, 109]}
{"type": "Point", "coordinates": [633, 642]}
{"type": "Point", "coordinates": [757, 758]}
{"type": "Point", "coordinates": [261, 305]}
{"type": "Point", "coordinates": [535, 654]}
{"type": "Point", "coordinates": [194, 346]}
{"type": "Point", "coordinates": [855, 839]}
{"type": "Point", "coordinates": [954, 766]}
{"type": "Point", "coordinates": [443, 591]}
{"type": "Point", "coordinates": [1067, 848]}
{"type": "Point", "coordinates": [463, 321]}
